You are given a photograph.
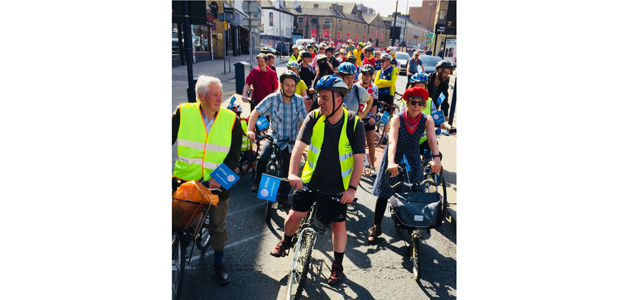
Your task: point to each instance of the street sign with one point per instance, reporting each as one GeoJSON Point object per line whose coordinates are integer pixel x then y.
{"type": "Point", "coordinates": [225, 25]}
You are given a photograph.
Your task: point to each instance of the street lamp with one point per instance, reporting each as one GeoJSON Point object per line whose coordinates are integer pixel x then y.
{"type": "Point", "coordinates": [430, 14]}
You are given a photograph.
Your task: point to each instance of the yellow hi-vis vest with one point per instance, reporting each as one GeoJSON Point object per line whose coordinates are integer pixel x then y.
{"type": "Point", "coordinates": [246, 143]}
{"type": "Point", "coordinates": [198, 153]}
{"type": "Point", "coordinates": [345, 149]}
{"type": "Point", "coordinates": [426, 110]}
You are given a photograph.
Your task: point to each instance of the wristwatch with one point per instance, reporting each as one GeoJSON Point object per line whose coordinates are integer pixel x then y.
{"type": "Point", "coordinates": [352, 187]}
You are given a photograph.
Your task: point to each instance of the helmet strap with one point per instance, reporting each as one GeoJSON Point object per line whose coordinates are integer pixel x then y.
{"type": "Point", "coordinates": [335, 109]}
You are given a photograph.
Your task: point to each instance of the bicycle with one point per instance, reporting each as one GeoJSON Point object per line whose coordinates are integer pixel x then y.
{"type": "Point", "coordinates": [304, 241]}
{"type": "Point", "coordinates": [379, 132]}
{"type": "Point", "coordinates": [195, 231]}
{"type": "Point", "coordinates": [420, 211]}
{"type": "Point", "coordinates": [274, 166]}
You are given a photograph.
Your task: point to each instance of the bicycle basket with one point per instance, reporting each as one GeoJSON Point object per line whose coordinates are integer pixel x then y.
{"type": "Point", "coordinates": [417, 210]}
{"type": "Point", "coordinates": [189, 201]}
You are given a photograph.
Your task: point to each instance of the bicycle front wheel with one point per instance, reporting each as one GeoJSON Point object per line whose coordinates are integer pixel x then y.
{"type": "Point", "coordinates": [179, 264]}
{"type": "Point", "coordinates": [415, 258]}
{"type": "Point", "coordinates": [203, 238]}
{"type": "Point", "coordinates": [300, 265]}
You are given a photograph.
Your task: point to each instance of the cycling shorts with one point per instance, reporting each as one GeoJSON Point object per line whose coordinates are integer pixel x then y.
{"type": "Point", "coordinates": [329, 210]}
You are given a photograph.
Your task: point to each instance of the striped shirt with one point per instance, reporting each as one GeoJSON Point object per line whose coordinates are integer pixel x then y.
{"type": "Point", "coordinates": [284, 118]}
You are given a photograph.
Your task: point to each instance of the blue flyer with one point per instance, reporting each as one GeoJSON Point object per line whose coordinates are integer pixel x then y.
{"type": "Point", "coordinates": [404, 161]}
{"type": "Point", "coordinates": [268, 188]}
{"type": "Point", "coordinates": [385, 117]}
{"type": "Point", "coordinates": [438, 118]}
{"type": "Point", "coordinates": [262, 123]}
{"type": "Point", "coordinates": [224, 176]}
{"type": "Point", "coordinates": [231, 105]}
{"type": "Point", "coordinates": [440, 99]}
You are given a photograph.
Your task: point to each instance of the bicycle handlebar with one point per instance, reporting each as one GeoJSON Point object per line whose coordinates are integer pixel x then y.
{"type": "Point", "coordinates": [426, 181]}
{"type": "Point", "coordinates": [270, 138]}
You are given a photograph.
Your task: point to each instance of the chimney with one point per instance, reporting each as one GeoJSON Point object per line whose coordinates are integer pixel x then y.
{"type": "Point", "coordinates": [340, 8]}
{"type": "Point", "coordinates": [299, 9]}
{"type": "Point", "coordinates": [334, 6]}
{"type": "Point", "coordinates": [315, 5]}
{"type": "Point", "coordinates": [360, 13]}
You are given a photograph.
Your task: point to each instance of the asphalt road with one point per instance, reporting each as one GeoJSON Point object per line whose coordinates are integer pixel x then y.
{"type": "Point", "coordinates": [381, 271]}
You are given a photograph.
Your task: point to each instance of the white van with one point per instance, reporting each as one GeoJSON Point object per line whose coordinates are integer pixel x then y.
{"type": "Point", "coordinates": [299, 42]}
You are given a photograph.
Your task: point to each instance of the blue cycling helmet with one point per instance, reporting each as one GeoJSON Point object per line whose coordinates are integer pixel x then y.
{"type": "Point", "coordinates": [346, 69]}
{"type": "Point", "coordinates": [293, 64]}
{"type": "Point", "coordinates": [332, 83]}
{"type": "Point", "coordinates": [419, 77]}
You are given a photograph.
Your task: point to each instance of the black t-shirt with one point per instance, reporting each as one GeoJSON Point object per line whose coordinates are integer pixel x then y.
{"type": "Point", "coordinates": [327, 174]}
{"type": "Point", "coordinates": [335, 63]}
{"type": "Point", "coordinates": [307, 74]}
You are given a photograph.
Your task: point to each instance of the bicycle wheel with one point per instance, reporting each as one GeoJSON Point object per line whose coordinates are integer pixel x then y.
{"type": "Point", "coordinates": [300, 264]}
{"type": "Point", "coordinates": [203, 238]}
{"type": "Point", "coordinates": [416, 261]}
{"type": "Point", "coordinates": [178, 256]}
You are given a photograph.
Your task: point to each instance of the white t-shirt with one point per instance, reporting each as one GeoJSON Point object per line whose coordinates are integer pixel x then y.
{"type": "Point", "coordinates": [352, 103]}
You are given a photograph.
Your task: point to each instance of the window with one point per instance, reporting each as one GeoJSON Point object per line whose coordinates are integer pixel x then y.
{"type": "Point", "coordinates": [357, 26]}
{"type": "Point", "coordinates": [339, 23]}
{"type": "Point", "coordinates": [364, 28]}
{"type": "Point", "coordinates": [442, 14]}
{"type": "Point", "coordinates": [300, 20]}
{"type": "Point", "coordinates": [348, 24]}
{"type": "Point", "coordinates": [326, 21]}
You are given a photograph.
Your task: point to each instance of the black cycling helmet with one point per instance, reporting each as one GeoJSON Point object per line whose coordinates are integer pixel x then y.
{"type": "Point", "coordinates": [369, 48]}
{"type": "Point", "coordinates": [444, 64]}
{"type": "Point", "coordinates": [367, 68]}
{"type": "Point", "coordinates": [289, 74]}
{"type": "Point", "coordinates": [329, 48]}
{"type": "Point", "coordinates": [306, 54]}
{"type": "Point", "coordinates": [351, 59]}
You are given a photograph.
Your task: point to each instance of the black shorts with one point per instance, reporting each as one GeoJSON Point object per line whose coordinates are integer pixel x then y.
{"type": "Point", "coordinates": [329, 210]}
{"type": "Point", "coordinates": [387, 98]}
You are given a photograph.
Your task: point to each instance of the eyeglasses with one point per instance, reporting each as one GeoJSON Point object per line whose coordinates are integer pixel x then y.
{"type": "Point", "coordinates": [418, 103]}
{"type": "Point", "coordinates": [366, 74]}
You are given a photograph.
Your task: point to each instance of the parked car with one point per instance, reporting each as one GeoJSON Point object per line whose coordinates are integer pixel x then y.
{"type": "Point", "coordinates": [268, 50]}
{"type": "Point", "coordinates": [402, 58]}
{"type": "Point", "coordinates": [429, 62]}
{"type": "Point", "coordinates": [300, 41]}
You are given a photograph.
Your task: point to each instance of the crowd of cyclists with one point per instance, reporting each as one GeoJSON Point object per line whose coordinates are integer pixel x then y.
{"type": "Point", "coordinates": [326, 103]}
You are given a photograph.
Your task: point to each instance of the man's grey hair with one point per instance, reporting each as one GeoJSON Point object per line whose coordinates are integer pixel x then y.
{"type": "Point", "coordinates": [202, 85]}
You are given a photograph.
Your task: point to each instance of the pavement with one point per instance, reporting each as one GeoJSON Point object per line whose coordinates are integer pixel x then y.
{"type": "Point", "coordinates": [447, 144]}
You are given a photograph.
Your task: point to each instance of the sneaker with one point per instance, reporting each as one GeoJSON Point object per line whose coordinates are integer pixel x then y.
{"type": "Point", "coordinates": [255, 187]}
{"type": "Point", "coordinates": [375, 231]}
{"type": "Point", "coordinates": [336, 275]}
{"type": "Point", "coordinates": [281, 249]}
{"type": "Point", "coordinates": [373, 172]}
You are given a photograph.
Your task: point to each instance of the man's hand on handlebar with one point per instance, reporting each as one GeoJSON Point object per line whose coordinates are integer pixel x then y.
{"type": "Point", "coordinates": [347, 196]}
{"type": "Point", "coordinates": [295, 181]}
{"type": "Point", "coordinates": [251, 136]}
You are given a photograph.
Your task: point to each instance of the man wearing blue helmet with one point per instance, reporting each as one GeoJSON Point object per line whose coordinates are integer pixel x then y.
{"type": "Point", "coordinates": [358, 97]}
{"type": "Point", "coordinates": [335, 163]}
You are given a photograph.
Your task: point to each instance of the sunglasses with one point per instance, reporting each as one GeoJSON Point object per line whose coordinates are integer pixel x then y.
{"type": "Point", "coordinates": [418, 103]}
{"type": "Point", "coordinates": [382, 60]}
{"type": "Point", "coordinates": [366, 74]}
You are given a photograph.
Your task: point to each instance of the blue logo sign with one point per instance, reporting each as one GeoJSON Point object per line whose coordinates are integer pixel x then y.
{"type": "Point", "coordinates": [404, 161]}
{"type": "Point", "coordinates": [438, 118]}
{"type": "Point", "coordinates": [231, 105]}
{"type": "Point", "coordinates": [262, 123]}
{"type": "Point", "coordinates": [224, 176]}
{"type": "Point", "coordinates": [440, 99]}
{"type": "Point", "coordinates": [385, 117]}
{"type": "Point", "coordinates": [268, 188]}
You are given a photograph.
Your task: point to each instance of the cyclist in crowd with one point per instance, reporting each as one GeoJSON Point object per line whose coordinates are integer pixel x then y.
{"type": "Point", "coordinates": [369, 119]}
{"type": "Point", "coordinates": [358, 53]}
{"type": "Point", "coordinates": [369, 59]}
{"type": "Point", "coordinates": [309, 48]}
{"type": "Point", "coordinates": [321, 51]}
{"type": "Point", "coordinates": [392, 52]}
{"type": "Point", "coordinates": [405, 133]}
{"type": "Point", "coordinates": [325, 69]}
{"type": "Point", "coordinates": [196, 125]}
{"type": "Point", "coordinates": [270, 60]}
{"type": "Point", "coordinates": [412, 66]}
{"type": "Point", "coordinates": [385, 79]}
{"type": "Point", "coordinates": [350, 47]}
{"type": "Point", "coordinates": [358, 99]}
{"type": "Point", "coordinates": [286, 112]}
{"type": "Point", "coordinates": [342, 53]}
{"type": "Point", "coordinates": [301, 88]}
{"type": "Point", "coordinates": [263, 79]}
{"type": "Point", "coordinates": [335, 164]}
{"type": "Point", "coordinates": [353, 60]}
{"type": "Point", "coordinates": [329, 53]}
{"type": "Point", "coordinates": [377, 62]}
{"type": "Point", "coordinates": [307, 73]}
{"type": "Point", "coordinates": [438, 83]}
{"type": "Point", "coordinates": [295, 55]}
